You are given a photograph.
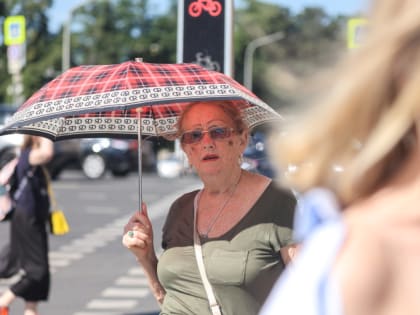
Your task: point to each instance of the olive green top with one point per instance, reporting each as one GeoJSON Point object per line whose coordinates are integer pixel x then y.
{"type": "Point", "coordinates": [241, 265]}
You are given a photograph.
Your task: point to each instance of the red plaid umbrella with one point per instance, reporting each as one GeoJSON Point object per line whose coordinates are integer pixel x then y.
{"type": "Point", "coordinates": [103, 100]}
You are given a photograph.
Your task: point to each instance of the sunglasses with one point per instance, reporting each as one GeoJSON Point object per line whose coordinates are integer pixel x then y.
{"type": "Point", "coordinates": [215, 133]}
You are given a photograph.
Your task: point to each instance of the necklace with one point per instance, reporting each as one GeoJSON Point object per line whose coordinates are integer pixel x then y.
{"type": "Point", "coordinates": [219, 212]}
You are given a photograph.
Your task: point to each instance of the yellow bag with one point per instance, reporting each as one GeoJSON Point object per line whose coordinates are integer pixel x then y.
{"type": "Point", "coordinates": [57, 219]}
{"type": "Point", "coordinates": [58, 223]}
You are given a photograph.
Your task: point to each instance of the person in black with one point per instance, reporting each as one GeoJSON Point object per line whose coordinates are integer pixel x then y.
{"type": "Point", "coordinates": [28, 230]}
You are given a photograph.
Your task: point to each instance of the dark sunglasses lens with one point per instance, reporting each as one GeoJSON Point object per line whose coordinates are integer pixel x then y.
{"type": "Point", "coordinates": [192, 136]}
{"type": "Point", "coordinates": [219, 133]}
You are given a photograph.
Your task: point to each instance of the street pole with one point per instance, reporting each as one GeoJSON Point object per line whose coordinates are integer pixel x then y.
{"type": "Point", "coordinates": [65, 58]}
{"type": "Point", "coordinates": [249, 53]}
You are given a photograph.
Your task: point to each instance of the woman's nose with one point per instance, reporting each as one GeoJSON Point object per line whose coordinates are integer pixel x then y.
{"type": "Point", "coordinates": [207, 140]}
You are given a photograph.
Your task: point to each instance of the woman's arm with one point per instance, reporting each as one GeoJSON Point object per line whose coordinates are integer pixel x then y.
{"type": "Point", "coordinates": [150, 269]}
{"type": "Point", "coordinates": [138, 238]}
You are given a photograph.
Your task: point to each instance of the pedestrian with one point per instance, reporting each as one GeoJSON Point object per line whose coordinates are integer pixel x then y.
{"type": "Point", "coordinates": [361, 226]}
{"type": "Point", "coordinates": [28, 229]}
{"type": "Point", "coordinates": [243, 224]}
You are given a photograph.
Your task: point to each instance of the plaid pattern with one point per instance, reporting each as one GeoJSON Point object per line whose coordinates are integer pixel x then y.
{"type": "Point", "coordinates": [105, 100]}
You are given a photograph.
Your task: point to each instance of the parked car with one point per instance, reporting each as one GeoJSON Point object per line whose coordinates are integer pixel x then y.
{"type": "Point", "coordinates": [96, 156]}
{"type": "Point", "coordinates": [9, 144]}
{"type": "Point", "coordinates": [255, 157]}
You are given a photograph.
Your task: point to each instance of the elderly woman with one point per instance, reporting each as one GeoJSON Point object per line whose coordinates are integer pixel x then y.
{"type": "Point", "coordinates": [243, 223]}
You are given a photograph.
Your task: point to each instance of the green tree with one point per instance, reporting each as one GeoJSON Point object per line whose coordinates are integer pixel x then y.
{"type": "Point", "coordinates": [311, 39]}
{"type": "Point", "coordinates": [113, 32]}
{"type": "Point", "coordinates": [38, 40]}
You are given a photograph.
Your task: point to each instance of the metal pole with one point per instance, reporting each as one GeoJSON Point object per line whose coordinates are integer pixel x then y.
{"type": "Point", "coordinates": [65, 60]}
{"type": "Point", "coordinates": [249, 53]}
{"type": "Point", "coordinates": [140, 157]}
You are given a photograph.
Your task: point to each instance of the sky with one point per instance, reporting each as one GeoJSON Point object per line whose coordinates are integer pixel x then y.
{"type": "Point", "coordinates": [61, 9]}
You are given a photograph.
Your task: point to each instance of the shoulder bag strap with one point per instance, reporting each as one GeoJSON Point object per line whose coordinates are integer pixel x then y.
{"type": "Point", "coordinates": [214, 306]}
{"type": "Point", "coordinates": [23, 183]}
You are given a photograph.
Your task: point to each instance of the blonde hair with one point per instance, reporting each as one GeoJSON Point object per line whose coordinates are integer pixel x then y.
{"type": "Point", "coordinates": [368, 117]}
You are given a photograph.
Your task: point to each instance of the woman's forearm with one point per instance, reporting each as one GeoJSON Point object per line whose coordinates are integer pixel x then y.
{"type": "Point", "coordinates": [150, 270]}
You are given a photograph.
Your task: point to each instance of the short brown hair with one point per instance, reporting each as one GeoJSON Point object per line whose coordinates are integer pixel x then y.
{"type": "Point", "coordinates": [228, 107]}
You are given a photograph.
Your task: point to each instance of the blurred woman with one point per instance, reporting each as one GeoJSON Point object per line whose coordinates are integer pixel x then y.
{"type": "Point", "coordinates": [28, 231]}
{"type": "Point", "coordinates": [363, 260]}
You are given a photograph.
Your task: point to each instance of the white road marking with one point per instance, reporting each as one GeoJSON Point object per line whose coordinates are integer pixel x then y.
{"type": "Point", "coordinates": [132, 281]}
{"type": "Point", "coordinates": [122, 292]}
{"type": "Point", "coordinates": [111, 304]}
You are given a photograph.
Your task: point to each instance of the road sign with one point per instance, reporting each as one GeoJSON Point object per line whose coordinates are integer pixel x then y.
{"type": "Point", "coordinates": [16, 58]}
{"type": "Point", "coordinates": [356, 29]}
{"type": "Point", "coordinates": [14, 30]}
{"type": "Point", "coordinates": [205, 33]}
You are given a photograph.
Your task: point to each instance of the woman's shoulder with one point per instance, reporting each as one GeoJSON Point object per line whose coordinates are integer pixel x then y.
{"type": "Point", "coordinates": [367, 254]}
{"type": "Point", "coordinates": [183, 203]}
{"type": "Point", "coordinates": [267, 188]}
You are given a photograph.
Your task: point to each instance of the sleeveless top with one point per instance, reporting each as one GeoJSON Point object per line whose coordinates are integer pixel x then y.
{"type": "Point", "coordinates": [33, 200]}
{"type": "Point", "coordinates": [242, 265]}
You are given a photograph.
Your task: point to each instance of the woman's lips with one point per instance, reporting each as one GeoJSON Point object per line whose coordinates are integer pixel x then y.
{"type": "Point", "coordinates": [210, 157]}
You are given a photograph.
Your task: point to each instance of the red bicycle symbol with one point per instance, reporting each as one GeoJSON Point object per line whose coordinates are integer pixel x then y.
{"type": "Point", "coordinates": [195, 8]}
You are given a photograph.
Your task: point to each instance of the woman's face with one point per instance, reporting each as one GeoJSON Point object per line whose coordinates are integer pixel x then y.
{"type": "Point", "coordinates": [217, 151]}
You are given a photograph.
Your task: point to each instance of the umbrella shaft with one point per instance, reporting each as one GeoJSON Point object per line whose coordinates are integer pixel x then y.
{"type": "Point", "coordinates": [140, 158]}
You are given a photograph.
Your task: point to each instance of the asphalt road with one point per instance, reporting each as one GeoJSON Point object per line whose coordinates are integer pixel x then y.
{"type": "Point", "coordinates": [92, 273]}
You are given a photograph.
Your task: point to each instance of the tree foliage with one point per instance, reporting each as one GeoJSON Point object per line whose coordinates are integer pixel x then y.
{"type": "Point", "coordinates": [114, 31]}
{"type": "Point", "coordinates": [38, 39]}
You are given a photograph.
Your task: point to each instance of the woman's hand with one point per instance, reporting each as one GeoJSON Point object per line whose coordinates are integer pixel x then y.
{"type": "Point", "coordinates": [138, 235]}
{"type": "Point", "coordinates": [288, 253]}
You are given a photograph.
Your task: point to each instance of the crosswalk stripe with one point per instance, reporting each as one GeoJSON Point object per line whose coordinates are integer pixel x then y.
{"type": "Point", "coordinates": [61, 255]}
{"type": "Point", "coordinates": [81, 249]}
{"type": "Point", "coordinates": [59, 262]}
{"type": "Point", "coordinates": [122, 292]}
{"type": "Point", "coordinates": [136, 271]}
{"type": "Point", "coordinates": [128, 281]}
{"type": "Point", "coordinates": [111, 304]}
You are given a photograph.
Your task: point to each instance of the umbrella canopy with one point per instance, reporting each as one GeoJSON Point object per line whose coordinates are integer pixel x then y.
{"type": "Point", "coordinates": [104, 101]}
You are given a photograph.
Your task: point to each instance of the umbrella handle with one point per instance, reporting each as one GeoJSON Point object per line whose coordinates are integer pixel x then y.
{"type": "Point", "coordinates": [140, 158]}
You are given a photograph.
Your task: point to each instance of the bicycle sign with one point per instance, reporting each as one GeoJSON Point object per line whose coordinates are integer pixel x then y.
{"type": "Point", "coordinates": [213, 7]}
{"type": "Point", "coordinates": [205, 33]}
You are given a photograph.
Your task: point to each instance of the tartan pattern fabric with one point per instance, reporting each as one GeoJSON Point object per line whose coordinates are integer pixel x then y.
{"type": "Point", "coordinates": [105, 100]}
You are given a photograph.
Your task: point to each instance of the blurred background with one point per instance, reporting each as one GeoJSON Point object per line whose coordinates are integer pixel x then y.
{"type": "Point", "coordinates": [63, 34]}
{"type": "Point", "coordinates": [281, 42]}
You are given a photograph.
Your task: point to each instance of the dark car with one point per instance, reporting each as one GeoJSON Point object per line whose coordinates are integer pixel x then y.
{"type": "Point", "coordinates": [9, 144]}
{"type": "Point", "coordinates": [96, 156]}
{"type": "Point", "coordinates": [255, 157]}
